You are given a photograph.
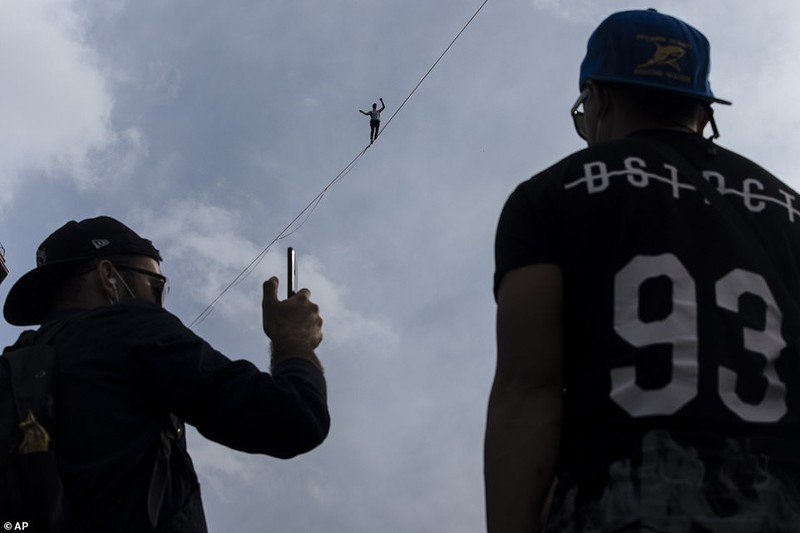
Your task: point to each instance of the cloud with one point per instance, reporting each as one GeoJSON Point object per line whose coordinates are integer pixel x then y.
{"type": "Point", "coordinates": [205, 250]}
{"type": "Point", "coordinates": [582, 11]}
{"type": "Point", "coordinates": [214, 125]}
{"type": "Point", "coordinates": [55, 102]}
{"type": "Point", "coordinates": [163, 81]}
{"type": "Point", "coordinates": [218, 462]}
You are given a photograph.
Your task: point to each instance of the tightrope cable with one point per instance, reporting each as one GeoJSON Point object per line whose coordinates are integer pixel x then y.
{"type": "Point", "coordinates": [309, 209]}
{"type": "Point", "coordinates": [434, 65]}
{"type": "Point", "coordinates": [285, 232]}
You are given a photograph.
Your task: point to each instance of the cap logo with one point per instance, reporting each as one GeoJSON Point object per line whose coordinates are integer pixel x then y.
{"type": "Point", "coordinates": [665, 55]}
{"type": "Point", "coordinates": [99, 243]}
{"type": "Point", "coordinates": [668, 52]}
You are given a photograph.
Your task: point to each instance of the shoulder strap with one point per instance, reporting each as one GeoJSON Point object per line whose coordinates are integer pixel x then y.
{"type": "Point", "coordinates": [32, 373]}
{"type": "Point", "coordinates": [756, 248]}
{"type": "Point", "coordinates": [737, 220]}
{"type": "Point", "coordinates": [753, 244]}
{"type": "Point", "coordinates": [46, 335]}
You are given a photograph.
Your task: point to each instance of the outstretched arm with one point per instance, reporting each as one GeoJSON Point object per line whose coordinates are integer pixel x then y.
{"type": "Point", "coordinates": [523, 428]}
{"type": "Point", "coordinates": [383, 106]}
{"type": "Point", "coordinates": [281, 414]}
{"type": "Point", "coordinates": [363, 112]}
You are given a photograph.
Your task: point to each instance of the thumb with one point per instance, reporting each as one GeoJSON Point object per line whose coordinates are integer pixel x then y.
{"type": "Point", "coordinates": [270, 289]}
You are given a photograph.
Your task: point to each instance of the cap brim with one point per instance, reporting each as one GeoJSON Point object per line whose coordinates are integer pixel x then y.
{"type": "Point", "coordinates": [658, 87]}
{"type": "Point", "coordinates": [29, 299]}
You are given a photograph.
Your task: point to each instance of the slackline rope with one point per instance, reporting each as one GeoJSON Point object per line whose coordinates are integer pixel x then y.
{"type": "Point", "coordinates": [307, 211]}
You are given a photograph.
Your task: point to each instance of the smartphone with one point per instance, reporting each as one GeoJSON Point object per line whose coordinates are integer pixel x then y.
{"type": "Point", "coordinates": [291, 275]}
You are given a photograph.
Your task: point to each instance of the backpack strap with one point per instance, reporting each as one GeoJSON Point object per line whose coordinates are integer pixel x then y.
{"type": "Point", "coordinates": [735, 218]}
{"type": "Point", "coordinates": [744, 228]}
{"type": "Point", "coordinates": [32, 364]}
{"type": "Point", "coordinates": [169, 438]}
{"type": "Point", "coordinates": [33, 372]}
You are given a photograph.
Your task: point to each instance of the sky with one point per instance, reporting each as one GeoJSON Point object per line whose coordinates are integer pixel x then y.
{"type": "Point", "coordinates": [208, 127]}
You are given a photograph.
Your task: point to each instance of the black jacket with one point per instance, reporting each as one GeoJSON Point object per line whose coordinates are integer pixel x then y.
{"type": "Point", "coordinates": [128, 374]}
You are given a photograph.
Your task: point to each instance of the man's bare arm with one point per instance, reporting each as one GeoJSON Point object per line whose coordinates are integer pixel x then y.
{"type": "Point", "coordinates": [524, 419]}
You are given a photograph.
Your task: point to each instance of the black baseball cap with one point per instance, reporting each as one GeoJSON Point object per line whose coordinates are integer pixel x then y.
{"type": "Point", "coordinates": [74, 243]}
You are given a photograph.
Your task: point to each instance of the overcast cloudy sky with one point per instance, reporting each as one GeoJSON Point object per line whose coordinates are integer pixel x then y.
{"type": "Point", "coordinates": [207, 126]}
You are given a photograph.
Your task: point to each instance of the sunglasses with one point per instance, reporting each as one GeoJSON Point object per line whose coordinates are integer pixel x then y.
{"type": "Point", "coordinates": [578, 117]}
{"type": "Point", "coordinates": [160, 287]}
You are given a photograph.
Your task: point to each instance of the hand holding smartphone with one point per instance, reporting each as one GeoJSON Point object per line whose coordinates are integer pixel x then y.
{"type": "Point", "coordinates": [293, 325]}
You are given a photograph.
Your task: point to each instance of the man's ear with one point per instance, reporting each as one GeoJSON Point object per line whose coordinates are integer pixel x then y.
{"type": "Point", "coordinates": [705, 116]}
{"type": "Point", "coordinates": [107, 275]}
{"type": "Point", "coordinates": [601, 96]}
{"type": "Point", "coordinates": [598, 102]}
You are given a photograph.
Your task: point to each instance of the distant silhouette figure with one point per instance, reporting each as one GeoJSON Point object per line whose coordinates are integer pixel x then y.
{"type": "Point", "coordinates": [374, 120]}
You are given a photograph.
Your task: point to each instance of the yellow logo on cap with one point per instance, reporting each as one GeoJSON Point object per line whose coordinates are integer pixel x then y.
{"type": "Point", "coordinates": [668, 52]}
{"type": "Point", "coordinates": [665, 55]}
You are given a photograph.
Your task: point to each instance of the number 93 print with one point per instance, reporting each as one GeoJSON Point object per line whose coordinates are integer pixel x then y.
{"type": "Point", "coordinates": [680, 329]}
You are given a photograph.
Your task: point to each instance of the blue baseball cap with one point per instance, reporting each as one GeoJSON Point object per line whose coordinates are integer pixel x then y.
{"type": "Point", "coordinates": [649, 49]}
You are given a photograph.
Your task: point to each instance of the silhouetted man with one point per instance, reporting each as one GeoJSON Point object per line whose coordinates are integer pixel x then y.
{"type": "Point", "coordinates": [648, 325]}
{"type": "Point", "coordinates": [374, 120]}
{"type": "Point", "coordinates": [129, 374]}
